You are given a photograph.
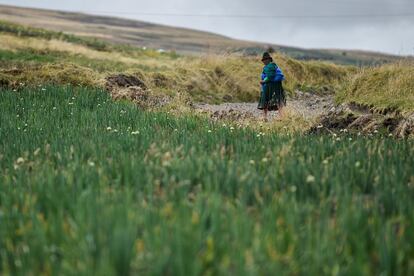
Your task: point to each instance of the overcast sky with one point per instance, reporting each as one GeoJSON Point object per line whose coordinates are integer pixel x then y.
{"type": "Point", "coordinates": [387, 25]}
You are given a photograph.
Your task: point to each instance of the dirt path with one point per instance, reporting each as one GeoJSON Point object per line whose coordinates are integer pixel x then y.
{"type": "Point", "coordinates": [307, 105]}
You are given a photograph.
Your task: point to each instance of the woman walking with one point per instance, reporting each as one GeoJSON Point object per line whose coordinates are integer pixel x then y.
{"type": "Point", "coordinates": [272, 96]}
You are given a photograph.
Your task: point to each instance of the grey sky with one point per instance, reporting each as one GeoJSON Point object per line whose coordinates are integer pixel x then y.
{"type": "Point", "coordinates": [392, 34]}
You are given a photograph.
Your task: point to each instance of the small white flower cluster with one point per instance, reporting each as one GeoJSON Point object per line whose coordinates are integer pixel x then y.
{"type": "Point", "coordinates": [310, 179]}
{"type": "Point", "coordinates": [231, 128]}
{"type": "Point", "coordinates": [112, 130]}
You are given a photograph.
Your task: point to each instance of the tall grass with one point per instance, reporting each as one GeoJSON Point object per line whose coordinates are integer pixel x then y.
{"type": "Point", "coordinates": [89, 186]}
{"type": "Point", "coordinates": [212, 79]}
{"type": "Point", "coordinates": [389, 87]}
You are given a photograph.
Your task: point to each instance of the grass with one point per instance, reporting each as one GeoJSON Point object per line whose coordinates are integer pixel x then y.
{"type": "Point", "coordinates": [91, 186]}
{"type": "Point", "coordinates": [212, 79]}
{"type": "Point", "coordinates": [21, 75]}
{"type": "Point", "coordinates": [12, 28]}
{"type": "Point", "coordinates": [389, 87]}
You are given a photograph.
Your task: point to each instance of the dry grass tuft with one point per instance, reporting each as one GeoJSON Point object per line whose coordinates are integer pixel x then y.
{"type": "Point", "coordinates": [58, 74]}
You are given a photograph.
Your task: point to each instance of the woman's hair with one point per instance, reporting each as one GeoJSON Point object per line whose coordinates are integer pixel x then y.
{"type": "Point", "coordinates": [267, 56]}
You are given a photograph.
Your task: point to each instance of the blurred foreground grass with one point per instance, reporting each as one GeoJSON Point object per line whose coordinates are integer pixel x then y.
{"type": "Point", "coordinates": [90, 186]}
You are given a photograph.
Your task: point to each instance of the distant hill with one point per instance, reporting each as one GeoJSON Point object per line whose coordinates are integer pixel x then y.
{"type": "Point", "coordinates": [181, 40]}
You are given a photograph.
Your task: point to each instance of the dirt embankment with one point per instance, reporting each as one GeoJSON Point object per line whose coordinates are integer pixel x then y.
{"type": "Point", "coordinates": [328, 117]}
{"type": "Point", "coordinates": [362, 120]}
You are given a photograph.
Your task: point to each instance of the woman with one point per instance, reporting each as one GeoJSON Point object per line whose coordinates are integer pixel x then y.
{"type": "Point", "coordinates": [272, 96]}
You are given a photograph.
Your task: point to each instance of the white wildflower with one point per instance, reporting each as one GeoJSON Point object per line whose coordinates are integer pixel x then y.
{"type": "Point", "coordinates": [20, 160]}
{"type": "Point", "coordinates": [310, 179]}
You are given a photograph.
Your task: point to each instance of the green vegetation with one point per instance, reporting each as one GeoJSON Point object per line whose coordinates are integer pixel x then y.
{"type": "Point", "coordinates": [385, 88]}
{"type": "Point", "coordinates": [90, 186]}
{"type": "Point", "coordinates": [19, 30]}
{"type": "Point", "coordinates": [93, 43]}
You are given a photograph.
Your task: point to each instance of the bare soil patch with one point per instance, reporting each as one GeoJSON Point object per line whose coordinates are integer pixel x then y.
{"type": "Point", "coordinates": [309, 106]}
{"type": "Point", "coordinates": [132, 88]}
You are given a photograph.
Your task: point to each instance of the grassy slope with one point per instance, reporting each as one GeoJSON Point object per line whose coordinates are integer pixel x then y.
{"type": "Point", "coordinates": [390, 87]}
{"type": "Point", "coordinates": [140, 34]}
{"type": "Point", "coordinates": [175, 198]}
{"type": "Point", "coordinates": [209, 79]}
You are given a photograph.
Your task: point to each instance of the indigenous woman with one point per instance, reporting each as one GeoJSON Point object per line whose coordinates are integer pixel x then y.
{"type": "Point", "coordinates": [272, 96]}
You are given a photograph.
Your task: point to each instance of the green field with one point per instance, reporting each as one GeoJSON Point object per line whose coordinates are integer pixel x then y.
{"type": "Point", "coordinates": [89, 186]}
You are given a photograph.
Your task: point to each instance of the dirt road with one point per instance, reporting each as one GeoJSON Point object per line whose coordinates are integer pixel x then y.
{"type": "Point", "coordinates": [306, 105]}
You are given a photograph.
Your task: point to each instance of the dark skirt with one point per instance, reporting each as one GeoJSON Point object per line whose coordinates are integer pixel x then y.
{"type": "Point", "coordinates": [272, 96]}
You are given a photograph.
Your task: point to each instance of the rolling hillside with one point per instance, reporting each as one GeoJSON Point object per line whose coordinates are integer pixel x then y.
{"type": "Point", "coordinates": [181, 40]}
